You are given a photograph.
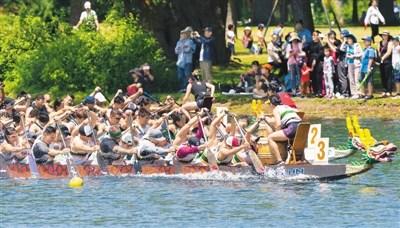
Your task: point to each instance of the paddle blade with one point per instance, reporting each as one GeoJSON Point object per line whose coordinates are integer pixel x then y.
{"type": "Point", "coordinates": [212, 161]}
{"type": "Point", "coordinates": [258, 166]}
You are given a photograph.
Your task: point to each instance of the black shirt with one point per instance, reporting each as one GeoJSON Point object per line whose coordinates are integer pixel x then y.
{"type": "Point", "coordinates": [107, 146]}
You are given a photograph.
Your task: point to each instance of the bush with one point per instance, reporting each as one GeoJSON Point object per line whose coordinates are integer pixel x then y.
{"type": "Point", "coordinates": [74, 61]}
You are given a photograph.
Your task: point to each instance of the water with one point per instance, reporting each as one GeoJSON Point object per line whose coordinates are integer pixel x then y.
{"type": "Point", "coordinates": [369, 200]}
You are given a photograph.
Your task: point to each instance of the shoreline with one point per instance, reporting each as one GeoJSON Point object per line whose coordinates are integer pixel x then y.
{"type": "Point", "coordinates": [388, 109]}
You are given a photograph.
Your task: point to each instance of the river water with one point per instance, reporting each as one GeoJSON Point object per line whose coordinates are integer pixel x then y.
{"type": "Point", "coordinates": [369, 200]}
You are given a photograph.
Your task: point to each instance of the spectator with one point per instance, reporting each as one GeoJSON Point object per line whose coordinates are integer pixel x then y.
{"type": "Point", "coordinates": [294, 54]}
{"type": "Point", "coordinates": [305, 79]}
{"type": "Point", "coordinates": [329, 69]}
{"type": "Point", "coordinates": [206, 53]}
{"type": "Point", "coordinates": [315, 52]}
{"type": "Point", "coordinates": [396, 64]}
{"type": "Point", "coordinates": [88, 19]}
{"type": "Point", "coordinates": [184, 49]}
{"type": "Point", "coordinates": [303, 33]}
{"type": "Point", "coordinates": [385, 54]}
{"type": "Point", "coordinates": [372, 18]}
{"type": "Point", "coordinates": [146, 77]}
{"type": "Point", "coordinates": [247, 80]}
{"type": "Point", "coordinates": [273, 50]}
{"type": "Point", "coordinates": [367, 61]}
{"type": "Point", "coordinates": [342, 65]}
{"type": "Point", "coordinates": [230, 37]}
{"type": "Point", "coordinates": [247, 39]}
{"type": "Point", "coordinates": [261, 38]}
{"type": "Point", "coordinates": [353, 56]}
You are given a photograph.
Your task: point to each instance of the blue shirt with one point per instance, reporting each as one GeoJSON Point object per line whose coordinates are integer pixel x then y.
{"type": "Point", "coordinates": [350, 51]}
{"type": "Point", "coordinates": [184, 49]}
{"type": "Point", "coordinates": [305, 34]}
{"type": "Point", "coordinates": [368, 54]}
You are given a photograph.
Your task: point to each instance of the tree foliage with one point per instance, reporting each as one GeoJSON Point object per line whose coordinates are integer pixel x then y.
{"type": "Point", "coordinates": [35, 58]}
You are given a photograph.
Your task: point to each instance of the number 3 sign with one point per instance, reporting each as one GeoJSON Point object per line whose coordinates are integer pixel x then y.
{"type": "Point", "coordinates": [321, 155]}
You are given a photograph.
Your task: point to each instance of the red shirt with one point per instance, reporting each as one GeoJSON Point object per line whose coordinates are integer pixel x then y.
{"type": "Point", "coordinates": [286, 99]}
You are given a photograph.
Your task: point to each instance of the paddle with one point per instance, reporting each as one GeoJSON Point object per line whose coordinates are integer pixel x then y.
{"type": "Point", "coordinates": [212, 160]}
{"type": "Point", "coordinates": [71, 168]}
{"type": "Point", "coordinates": [31, 157]}
{"type": "Point", "coordinates": [102, 165]}
{"type": "Point", "coordinates": [257, 164]}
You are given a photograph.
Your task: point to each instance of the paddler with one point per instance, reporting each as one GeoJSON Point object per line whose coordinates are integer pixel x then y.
{"type": "Point", "coordinates": [82, 145]}
{"type": "Point", "coordinates": [42, 149]}
{"type": "Point", "coordinates": [14, 148]}
{"type": "Point", "coordinates": [285, 121]}
{"type": "Point", "coordinates": [115, 146]}
{"type": "Point", "coordinates": [152, 147]}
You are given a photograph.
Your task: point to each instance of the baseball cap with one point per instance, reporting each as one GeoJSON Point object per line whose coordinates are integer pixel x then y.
{"type": "Point", "coordinates": [127, 138]}
{"type": "Point", "coordinates": [367, 38]}
{"type": "Point", "coordinates": [155, 134]}
{"type": "Point", "coordinates": [115, 132]}
{"type": "Point", "coordinates": [345, 32]}
{"type": "Point", "coordinates": [89, 100]}
{"type": "Point", "coordinates": [232, 141]}
{"type": "Point", "coordinates": [85, 130]}
{"type": "Point", "coordinates": [194, 141]}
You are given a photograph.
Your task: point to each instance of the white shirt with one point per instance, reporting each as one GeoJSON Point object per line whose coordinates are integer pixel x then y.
{"type": "Point", "coordinates": [396, 57]}
{"type": "Point", "coordinates": [85, 14]}
{"type": "Point", "coordinates": [373, 16]}
{"type": "Point", "coordinates": [231, 37]}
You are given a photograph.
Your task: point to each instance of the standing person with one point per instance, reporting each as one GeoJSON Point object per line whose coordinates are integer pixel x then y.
{"type": "Point", "coordinates": [294, 54]}
{"type": "Point", "coordinates": [396, 64]}
{"type": "Point", "coordinates": [305, 79]}
{"type": "Point", "coordinates": [303, 33]}
{"type": "Point", "coordinates": [184, 49]}
{"type": "Point", "coordinates": [372, 18]}
{"type": "Point", "coordinates": [385, 54]}
{"type": "Point", "coordinates": [206, 53]}
{"type": "Point", "coordinates": [315, 52]}
{"type": "Point", "coordinates": [329, 69]}
{"type": "Point", "coordinates": [247, 39]}
{"type": "Point", "coordinates": [261, 38]}
{"type": "Point", "coordinates": [367, 61]}
{"type": "Point", "coordinates": [342, 65]}
{"type": "Point", "coordinates": [230, 37]}
{"type": "Point", "coordinates": [88, 19]}
{"type": "Point", "coordinates": [353, 56]}
{"type": "Point", "coordinates": [334, 46]}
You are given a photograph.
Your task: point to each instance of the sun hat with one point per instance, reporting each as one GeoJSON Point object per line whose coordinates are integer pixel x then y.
{"type": "Point", "coordinates": [87, 5]}
{"type": "Point", "coordinates": [127, 139]}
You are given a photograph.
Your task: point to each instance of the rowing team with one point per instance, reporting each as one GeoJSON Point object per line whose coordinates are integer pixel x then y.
{"type": "Point", "coordinates": [133, 129]}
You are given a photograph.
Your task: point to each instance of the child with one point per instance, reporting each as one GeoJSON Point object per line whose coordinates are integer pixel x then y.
{"type": "Point", "coordinates": [367, 60]}
{"type": "Point", "coordinates": [329, 69]}
{"type": "Point", "coordinates": [305, 79]}
{"type": "Point", "coordinates": [396, 64]}
{"type": "Point", "coordinates": [230, 37]}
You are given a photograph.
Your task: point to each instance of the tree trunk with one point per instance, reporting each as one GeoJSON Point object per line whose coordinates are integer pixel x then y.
{"type": "Point", "coordinates": [261, 10]}
{"type": "Point", "coordinates": [283, 11]}
{"type": "Point", "coordinates": [386, 8]}
{"type": "Point", "coordinates": [301, 10]}
{"type": "Point", "coordinates": [354, 18]}
{"type": "Point", "coordinates": [167, 19]}
{"type": "Point", "coordinates": [76, 10]}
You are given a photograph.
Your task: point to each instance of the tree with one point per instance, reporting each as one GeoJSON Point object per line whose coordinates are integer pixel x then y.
{"type": "Point", "coordinates": [354, 17]}
{"type": "Point", "coordinates": [261, 10]}
{"type": "Point", "coordinates": [386, 8]}
{"type": "Point", "coordinates": [76, 9]}
{"type": "Point", "coordinates": [167, 18]}
{"type": "Point", "coordinates": [301, 10]}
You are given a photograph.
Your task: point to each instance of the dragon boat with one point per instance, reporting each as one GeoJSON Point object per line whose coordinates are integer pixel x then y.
{"type": "Point", "coordinates": [296, 169]}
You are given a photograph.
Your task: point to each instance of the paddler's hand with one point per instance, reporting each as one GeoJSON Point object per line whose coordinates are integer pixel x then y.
{"type": "Point", "coordinates": [96, 147]}
{"type": "Point", "coordinates": [65, 151]}
{"type": "Point", "coordinates": [246, 146]}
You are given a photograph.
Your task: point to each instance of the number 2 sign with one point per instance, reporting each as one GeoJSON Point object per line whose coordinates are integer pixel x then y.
{"type": "Point", "coordinates": [314, 134]}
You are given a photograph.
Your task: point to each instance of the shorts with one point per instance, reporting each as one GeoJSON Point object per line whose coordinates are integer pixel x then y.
{"type": "Point", "coordinates": [290, 130]}
{"type": "Point", "coordinates": [396, 74]}
{"type": "Point", "coordinates": [187, 158]}
{"type": "Point", "coordinates": [305, 78]}
{"type": "Point", "coordinates": [363, 75]}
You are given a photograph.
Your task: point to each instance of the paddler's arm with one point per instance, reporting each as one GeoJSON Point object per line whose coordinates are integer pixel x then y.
{"type": "Point", "coordinates": [161, 120]}
{"type": "Point", "coordinates": [212, 88]}
{"type": "Point", "coordinates": [121, 150]}
{"type": "Point", "coordinates": [275, 121]}
{"type": "Point", "coordinates": [235, 150]}
{"type": "Point", "coordinates": [14, 149]}
{"type": "Point", "coordinates": [184, 131]}
{"type": "Point", "coordinates": [212, 134]}
{"type": "Point", "coordinates": [54, 152]}
{"type": "Point", "coordinates": [187, 94]}
{"type": "Point", "coordinates": [80, 148]}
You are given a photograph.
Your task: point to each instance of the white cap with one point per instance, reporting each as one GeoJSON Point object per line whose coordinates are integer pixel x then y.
{"type": "Point", "coordinates": [87, 5]}
{"type": "Point", "coordinates": [127, 138]}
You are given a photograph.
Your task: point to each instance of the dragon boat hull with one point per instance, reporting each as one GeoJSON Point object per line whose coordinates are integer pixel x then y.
{"type": "Point", "coordinates": [298, 171]}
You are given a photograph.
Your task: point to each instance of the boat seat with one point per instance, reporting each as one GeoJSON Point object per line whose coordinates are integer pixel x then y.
{"type": "Point", "coordinates": [296, 147]}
